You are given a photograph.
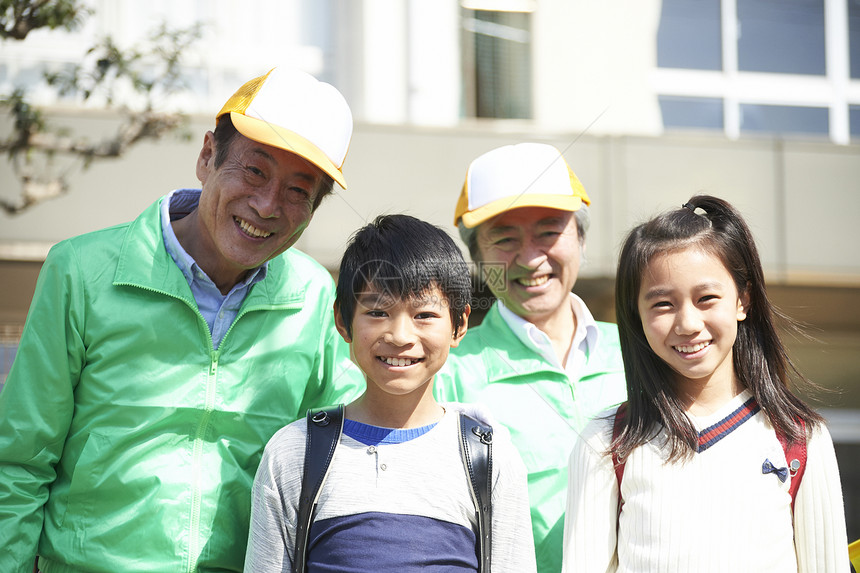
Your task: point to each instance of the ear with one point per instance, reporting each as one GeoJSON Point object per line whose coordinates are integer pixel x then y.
{"type": "Point", "coordinates": [340, 326]}
{"type": "Point", "coordinates": [206, 159]}
{"type": "Point", "coordinates": [744, 303]}
{"type": "Point", "coordinates": [464, 326]}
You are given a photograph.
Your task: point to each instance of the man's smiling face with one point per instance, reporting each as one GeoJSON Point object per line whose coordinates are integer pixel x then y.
{"type": "Point", "coordinates": [541, 252]}
{"type": "Point", "coordinates": [253, 207]}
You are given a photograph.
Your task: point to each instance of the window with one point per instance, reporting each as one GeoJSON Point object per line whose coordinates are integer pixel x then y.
{"type": "Point", "coordinates": [781, 36]}
{"type": "Point", "coordinates": [760, 66]}
{"type": "Point", "coordinates": [784, 119]}
{"type": "Point", "coordinates": [10, 335]}
{"type": "Point", "coordinates": [498, 77]}
{"type": "Point", "coordinates": [691, 112]}
{"type": "Point", "coordinates": [854, 119]}
{"type": "Point", "coordinates": [848, 456]}
{"type": "Point", "coordinates": [689, 35]}
{"type": "Point", "coordinates": [854, 37]}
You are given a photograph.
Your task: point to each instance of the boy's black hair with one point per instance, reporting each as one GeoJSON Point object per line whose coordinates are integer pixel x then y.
{"type": "Point", "coordinates": [403, 257]}
{"type": "Point", "coordinates": [761, 362]}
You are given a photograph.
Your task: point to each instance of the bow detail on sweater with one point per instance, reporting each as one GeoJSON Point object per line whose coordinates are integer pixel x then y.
{"type": "Point", "coordinates": [781, 473]}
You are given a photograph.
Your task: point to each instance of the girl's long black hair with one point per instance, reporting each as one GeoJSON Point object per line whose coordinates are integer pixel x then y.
{"type": "Point", "coordinates": [761, 362]}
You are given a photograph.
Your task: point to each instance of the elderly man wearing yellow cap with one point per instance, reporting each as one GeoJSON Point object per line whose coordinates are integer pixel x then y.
{"type": "Point", "coordinates": [539, 361]}
{"type": "Point", "coordinates": [160, 356]}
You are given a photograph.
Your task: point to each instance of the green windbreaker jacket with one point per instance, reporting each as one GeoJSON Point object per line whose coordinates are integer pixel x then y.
{"type": "Point", "coordinates": [541, 407]}
{"type": "Point", "coordinates": [127, 443]}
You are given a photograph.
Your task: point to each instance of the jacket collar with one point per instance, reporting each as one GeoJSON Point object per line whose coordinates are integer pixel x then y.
{"type": "Point", "coordinates": [144, 262]}
{"type": "Point", "coordinates": [505, 354]}
{"type": "Point", "coordinates": [507, 357]}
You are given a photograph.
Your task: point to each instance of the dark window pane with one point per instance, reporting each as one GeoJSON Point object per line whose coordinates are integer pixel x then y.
{"type": "Point", "coordinates": [691, 112]}
{"type": "Point", "coordinates": [848, 457]}
{"type": "Point", "coordinates": [782, 36]}
{"type": "Point", "coordinates": [8, 350]}
{"type": "Point", "coordinates": [854, 37]}
{"type": "Point", "coordinates": [757, 118]}
{"type": "Point", "coordinates": [854, 120]}
{"type": "Point", "coordinates": [689, 35]}
{"type": "Point", "coordinates": [502, 64]}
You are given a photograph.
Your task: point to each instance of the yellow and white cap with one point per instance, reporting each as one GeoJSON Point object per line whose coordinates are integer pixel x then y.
{"type": "Point", "coordinates": [514, 176]}
{"type": "Point", "coordinates": [292, 110]}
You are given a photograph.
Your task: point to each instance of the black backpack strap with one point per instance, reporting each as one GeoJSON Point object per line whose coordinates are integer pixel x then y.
{"type": "Point", "coordinates": [476, 447]}
{"type": "Point", "coordinates": [324, 429]}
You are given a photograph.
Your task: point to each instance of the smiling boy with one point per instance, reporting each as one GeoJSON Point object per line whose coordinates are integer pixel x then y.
{"type": "Point", "coordinates": [397, 495]}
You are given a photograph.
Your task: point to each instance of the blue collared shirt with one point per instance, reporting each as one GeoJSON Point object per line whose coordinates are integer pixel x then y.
{"type": "Point", "coordinates": [218, 310]}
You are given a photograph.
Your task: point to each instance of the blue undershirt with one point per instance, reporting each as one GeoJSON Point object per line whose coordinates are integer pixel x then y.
{"type": "Point", "coordinates": [375, 435]}
{"type": "Point", "coordinates": [218, 310]}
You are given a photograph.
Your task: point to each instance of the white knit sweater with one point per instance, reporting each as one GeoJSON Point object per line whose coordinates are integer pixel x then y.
{"type": "Point", "coordinates": [716, 512]}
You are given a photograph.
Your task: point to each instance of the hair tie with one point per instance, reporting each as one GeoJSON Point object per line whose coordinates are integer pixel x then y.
{"type": "Point", "coordinates": [696, 210]}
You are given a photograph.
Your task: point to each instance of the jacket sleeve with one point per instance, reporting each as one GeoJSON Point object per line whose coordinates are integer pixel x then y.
{"type": "Point", "coordinates": [338, 379]}
{"type": "Point", "coordinates": [820, 537]}
{"type": "Point", "coordinates": [36, 405]}
{"type": "Point", "coordinates": [513, 545]}
{"type": "Point", "coordinates": [591, 514]}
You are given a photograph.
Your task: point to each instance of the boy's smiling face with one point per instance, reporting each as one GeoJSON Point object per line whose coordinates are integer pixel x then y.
{"type": "Point", "coordinates": [400, 344]}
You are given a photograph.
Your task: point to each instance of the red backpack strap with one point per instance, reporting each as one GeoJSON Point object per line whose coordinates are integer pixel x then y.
{"type": "Point", "coordinates": [617, 427]}
{"type": "Point", "coordinates": [795, 456]}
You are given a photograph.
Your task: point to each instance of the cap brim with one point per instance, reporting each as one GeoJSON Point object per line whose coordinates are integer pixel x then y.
{"type": "Point", "coordinates": [561, 202]}
{"type": "Point", "coordinates": [269, 134]}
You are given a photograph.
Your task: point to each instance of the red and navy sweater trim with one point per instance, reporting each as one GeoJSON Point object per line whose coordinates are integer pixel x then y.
{"type": "Point", "coordinates": [713, 434]}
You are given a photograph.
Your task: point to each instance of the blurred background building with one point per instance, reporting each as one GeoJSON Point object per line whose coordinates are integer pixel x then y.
{"type": "Point", "coordinates": [755, 101]}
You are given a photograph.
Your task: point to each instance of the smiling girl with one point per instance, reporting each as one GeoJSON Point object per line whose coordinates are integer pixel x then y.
{"type": "Point", "coordinates": [706, 483]}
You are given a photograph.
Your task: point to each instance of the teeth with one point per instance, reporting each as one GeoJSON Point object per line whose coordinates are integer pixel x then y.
{"type": "Point", "coordinates": [691, 349]}
{"type": "Point", "coordinates": [533, 282]}
{"type": "Point", "coordinates": [399, 361]}
{"type": "Point", "coordinates": [250, 229]}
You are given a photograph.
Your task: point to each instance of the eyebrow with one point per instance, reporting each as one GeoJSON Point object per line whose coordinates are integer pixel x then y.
{"type": "Point", "coordinates": [372, 299]}
{"type": "Point", "coordinates": [310, 177]}
{"type": "Point", "coordinates": [550, 221]}
{"type": "Point", "coordinates": [657, 293]}
{"type": "Point", "coordinates": [545, 222]}
{"type": "Point", "coordinates": [495, 231]}
{"type": "Point", "coordinates": [662, 291]}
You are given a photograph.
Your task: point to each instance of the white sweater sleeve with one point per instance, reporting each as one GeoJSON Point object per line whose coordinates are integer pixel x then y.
{"type": "Point", "coordinates": [274, 502]}
{"type": "Point", "coordinates": [513, 543]}
{"type": "Point", "coordinates": [592, 503]}
{"type": "Point", "coordinates": [819, 516]}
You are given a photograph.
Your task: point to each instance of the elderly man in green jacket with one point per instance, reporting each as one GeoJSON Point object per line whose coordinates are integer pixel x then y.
{"type": "Point", "coordinates": [539, 361]}
{"type": "Point", "coordinates": [160, 356]}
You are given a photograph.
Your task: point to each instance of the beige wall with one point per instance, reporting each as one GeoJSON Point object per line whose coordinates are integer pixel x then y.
{"type": "Point", "coordinates": [800, 198]}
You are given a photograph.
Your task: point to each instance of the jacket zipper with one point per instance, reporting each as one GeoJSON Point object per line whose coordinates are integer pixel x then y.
{"type": "Point", "coordinates": [203, 425]}
{"type": "Point", "coordinates": [197, 462]}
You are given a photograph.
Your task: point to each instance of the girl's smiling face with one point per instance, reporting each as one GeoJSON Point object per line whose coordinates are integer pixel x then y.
{"type": "Point", "coordinates": [690, 309]}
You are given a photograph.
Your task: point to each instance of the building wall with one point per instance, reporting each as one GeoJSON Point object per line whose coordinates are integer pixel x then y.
{"type": "Point", "coordinates": [800, 200]}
